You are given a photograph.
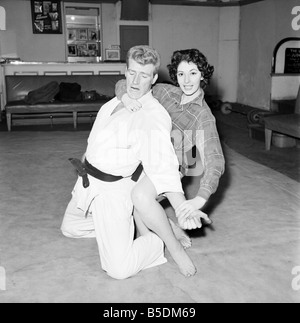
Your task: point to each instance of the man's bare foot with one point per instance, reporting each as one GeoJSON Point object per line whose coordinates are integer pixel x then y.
{"type": "Point", "coordinates": [185, 264]}
{"type": "Point", "coordinates": [181, 236]}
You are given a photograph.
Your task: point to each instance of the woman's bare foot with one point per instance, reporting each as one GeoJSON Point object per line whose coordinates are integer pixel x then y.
{"type": "Point", "coordinates": [181, 236]}
{"type": "Point", "coordinates": [185, 264]}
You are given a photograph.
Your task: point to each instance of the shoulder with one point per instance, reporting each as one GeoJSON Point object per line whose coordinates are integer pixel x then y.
{"type": "Point", "coordinates": [203, 114]}
{"type": "Point", "coordinates": [105, 108]}
{"type": "Point", "coordinates": [207, 109]}
{"type": "Point", "coordinates": [167, 88]}
{"type": "Point", "coordinates": [153, 113]}
{"type": "Point", "coordinates": [155, 109]}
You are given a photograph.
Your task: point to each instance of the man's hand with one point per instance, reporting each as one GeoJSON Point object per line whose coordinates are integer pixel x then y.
{"type": "Point", "coordinates": [193, 221]}
{"type": "Point", "coordinates": [188, 207]}
{"type": "Point", "coordinates": [130, 104]}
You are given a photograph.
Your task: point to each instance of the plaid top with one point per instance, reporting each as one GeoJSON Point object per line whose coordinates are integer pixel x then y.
{"type": "Point", "coordinates": [193, 124]}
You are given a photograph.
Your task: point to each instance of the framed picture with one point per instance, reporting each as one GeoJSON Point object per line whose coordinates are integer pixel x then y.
{"type": "Point", "coordinates": [46, 17]}
{"type": "Point", "coordinates": [92, 34]}
{"type": "Point", "coordinates": [112, 54]}
{"type": "Point", "coordinates": [72, 50]}
{"type": "Point", "coordinates": [93, 49]}
{"type": "Point", "coordinates": [82, 50]}
{"type": "Point", "coordinates": [115, 46]}
{"type": "Point", "coordinates": [72, 34]}
{"type": "Point", "coordinates": [82, 34]}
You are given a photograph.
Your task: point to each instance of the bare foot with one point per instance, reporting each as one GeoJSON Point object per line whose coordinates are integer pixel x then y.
{"type": "Point", "coordinates": [181, 236]}
{"type": "Point", "coordinates": [185, 264]}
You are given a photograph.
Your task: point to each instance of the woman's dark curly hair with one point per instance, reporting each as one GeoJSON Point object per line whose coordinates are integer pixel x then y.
{"type": "Point", "coordinates": [194, 56]}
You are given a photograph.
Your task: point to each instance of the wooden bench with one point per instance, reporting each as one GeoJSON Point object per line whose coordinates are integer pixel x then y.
{"type": "Point", "coordinates": [18, 86]}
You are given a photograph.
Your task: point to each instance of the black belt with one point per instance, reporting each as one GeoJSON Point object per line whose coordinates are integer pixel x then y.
{"type": "Point", "coordinates": [83, 169]}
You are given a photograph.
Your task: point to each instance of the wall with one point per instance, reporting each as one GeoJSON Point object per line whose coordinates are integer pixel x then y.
{"type": "Point", "coordinates": [181, 27]}
{"type": "Point", "coordinates": [213, 30]}
{"type": "Point", "coordinates": [174, 27]}
{"type": "Point", "coordinates": [228, 63]}
{"type": "Point", "coordinates": [263, 25]}
{"type": "Point", "coordinates": [46, 48]}
{"type": "Point", "coordinates": [29, 46]}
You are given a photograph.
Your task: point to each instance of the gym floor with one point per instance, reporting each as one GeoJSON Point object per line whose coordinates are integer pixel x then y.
{"type": "Point", "coordinates": [248, 255]}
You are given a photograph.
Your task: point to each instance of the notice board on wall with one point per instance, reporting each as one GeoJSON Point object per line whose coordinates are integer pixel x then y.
{"type": "Point", "coordinates": [292, 61]}
{"type": "Point", "coordinates": [46, 17]}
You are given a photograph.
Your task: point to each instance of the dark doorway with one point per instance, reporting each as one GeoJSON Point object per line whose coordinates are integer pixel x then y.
{"type": "Point", "coordinates": [131, 36]}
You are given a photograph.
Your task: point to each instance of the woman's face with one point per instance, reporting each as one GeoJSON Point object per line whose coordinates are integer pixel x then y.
{"type": "Point", "coordinates": [189, 78]}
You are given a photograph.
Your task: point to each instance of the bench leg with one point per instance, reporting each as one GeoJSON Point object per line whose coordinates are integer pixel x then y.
{"type": "Point", "coordinates": [8, 121]}
{"type": "Point", "coordinates": [75, 120]}
{"type": "Point", "coordinates": [268, 138]}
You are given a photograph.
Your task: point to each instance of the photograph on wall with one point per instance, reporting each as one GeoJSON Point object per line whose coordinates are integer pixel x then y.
{"type": "Point", "coordinates": [92, 33]}
{"type": "Point", "coordinates": [82, 50]}
{"type": "Point", "coordinates": [72, 50]}
{"type": "Point", "coordinates": [38, 6]}
{"type": "Point", "coordinates": [93, 49]}
{"type": "Point", "coordinates": [39, 25]}
{"type": "Point", "coordinates": [46, 7]}
{"type": "Point", "coordinates": [82, 34]}
{"type": "Point", "coordinates": [72, 34]}
{"type": "Point", "coordinates": [112, 54]}
{"type": "Point", "coordinates": [46, 17]}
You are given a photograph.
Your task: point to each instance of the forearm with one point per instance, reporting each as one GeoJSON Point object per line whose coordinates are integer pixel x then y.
{"type": "Point", "coordinates": [210, 180]}
{"type": "Point", "coordinates": [209, 146]}
{"type": "Point", "coordinates": [120, 89]}
{"type": "Point", "coordinates": [175, 199]}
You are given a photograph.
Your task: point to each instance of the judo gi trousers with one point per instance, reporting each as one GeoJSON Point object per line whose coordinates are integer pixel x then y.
{"type": "Point", "coordinates": [110, 221]}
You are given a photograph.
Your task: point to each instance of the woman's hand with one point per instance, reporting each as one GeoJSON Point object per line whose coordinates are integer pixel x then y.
{"type": "Point", "coordinates": [130, 104]}
{"type": "Point", "coordinates": [188, 207]}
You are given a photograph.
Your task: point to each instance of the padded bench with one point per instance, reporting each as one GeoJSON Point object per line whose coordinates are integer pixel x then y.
{"type": "Point", "coordinates": [18, 86]}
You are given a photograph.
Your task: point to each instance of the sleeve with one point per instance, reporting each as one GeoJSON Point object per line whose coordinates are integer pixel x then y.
{"type": "Point", "coordinates": [209, 146]}
{"type": "Point", "coordinates": [159, 91]}
{"type": "Point", "coordinates": [162, 92]}
{"type": "Point", "coordinates": [120, 89]}
{"type": "Point", "coordinates": [154, 148]}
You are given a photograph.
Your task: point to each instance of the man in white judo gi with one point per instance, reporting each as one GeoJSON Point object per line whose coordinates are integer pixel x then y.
{"type": "Point", "coordinates": [119, 142]}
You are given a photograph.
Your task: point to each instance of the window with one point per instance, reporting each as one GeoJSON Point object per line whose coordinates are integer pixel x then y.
{"type": "Point", "coordinates": [83, 32]}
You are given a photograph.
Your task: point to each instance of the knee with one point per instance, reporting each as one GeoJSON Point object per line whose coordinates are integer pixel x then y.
{"type": "Point", "coordinates": [141, 199]}
{"type": "Point", "coordinates": [68, 232]}
{"type": "Point", "coordinates": [118, 272]}
{"type": "Point", "coordinates": [65, 230]}
{"type": "Point", "coordinates": [118, 275]}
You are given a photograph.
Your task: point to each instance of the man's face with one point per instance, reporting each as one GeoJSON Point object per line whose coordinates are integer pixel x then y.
{"type": "Point", "coordinates": [139, 79]}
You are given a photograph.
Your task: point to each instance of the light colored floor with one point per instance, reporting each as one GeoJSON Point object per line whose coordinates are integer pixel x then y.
{"type": "Point", "coordinates": [246, 256]}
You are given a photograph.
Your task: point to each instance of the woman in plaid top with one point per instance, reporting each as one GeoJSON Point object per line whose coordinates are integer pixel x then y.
{"type": "Point", "coordinates": [193, 126]}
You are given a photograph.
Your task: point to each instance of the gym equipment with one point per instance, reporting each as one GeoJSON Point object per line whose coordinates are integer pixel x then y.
{"type": "Point", "coordinates": [254, 116]}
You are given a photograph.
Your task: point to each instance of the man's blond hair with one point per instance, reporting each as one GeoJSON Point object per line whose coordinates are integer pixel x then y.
{"type": "Point", "coordinates": [144, 55]}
